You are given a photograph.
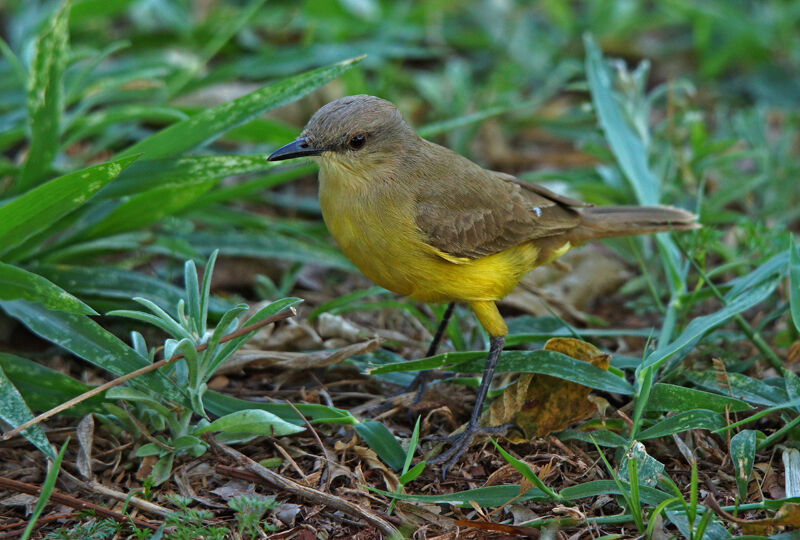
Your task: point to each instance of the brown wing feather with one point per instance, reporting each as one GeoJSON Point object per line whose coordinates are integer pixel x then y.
{"type": "Point", "coordinates": [475, 212]}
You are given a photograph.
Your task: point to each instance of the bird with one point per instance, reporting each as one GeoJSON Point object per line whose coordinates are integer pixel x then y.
{"type": "Point", "coordinates": [423, 221]}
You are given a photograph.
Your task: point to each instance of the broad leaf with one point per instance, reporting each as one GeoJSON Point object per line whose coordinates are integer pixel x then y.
{"type": "Point", "coordinates": [697, 419]}
{"type": "Point", "coordinates": [15, 412]}
{"type": "Point", "coordinates": [85, 338]}
{"type": "Point", "coordinates": [42, 206]}
{"type": "Point", "coordinates": [381, 440]}
{"type": "Point", "coordinates": [743, 453]}
{"type": "Point", "coordinates": [252, 422]}
{"type": "Point", "coordinates": [19, 284]}
{"type": "Point", "coordinates": [45, 388]}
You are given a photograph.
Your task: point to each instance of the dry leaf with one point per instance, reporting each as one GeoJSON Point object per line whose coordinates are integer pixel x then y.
{"type": "Point", "coordinates": [793, 354]}
{"type": "Point", "coordinates": [594, 273]}
{"type": "Point", "coordinates": [296, 361]}
{"type": "Point", "coordinates": [540, 404]}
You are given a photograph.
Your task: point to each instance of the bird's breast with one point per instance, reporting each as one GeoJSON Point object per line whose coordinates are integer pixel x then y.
{"type": "Point", "coordinates": [375, 227]}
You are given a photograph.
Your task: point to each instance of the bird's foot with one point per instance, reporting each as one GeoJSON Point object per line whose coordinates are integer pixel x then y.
{"type": "Point", "coordinates": [461, 442]}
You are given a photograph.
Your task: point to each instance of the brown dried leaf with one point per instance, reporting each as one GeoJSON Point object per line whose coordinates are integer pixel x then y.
{"type": "Point", "coordinates": [793, 354]}
{"type": "Point", "coordinates": [540, 404]}
{"type": "Point", "coordinates": [593, 274]}
{"type": "Point", "coordinates": [788, 516]}
{"type": "Point", "coordinates": [85, 435]}
{"type": "Point", "coordinates": [295, 360]}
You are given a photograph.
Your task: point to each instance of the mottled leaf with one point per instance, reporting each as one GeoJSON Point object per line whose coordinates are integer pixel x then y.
{"type": "Point", "coordinates": [42, 206]}
{"type": "Point", "coordinates": [46, 98]}
{"type": "Point", "coordinates": [15, 412]}
{"type": "Point", "coordinates": [743, 453]}
{"type": "Point", "coordinates": [19, 284]}
{"type": "Point", "coordinates": [85, 338]}
{"type": "Point", "coordinates": [697, 419]}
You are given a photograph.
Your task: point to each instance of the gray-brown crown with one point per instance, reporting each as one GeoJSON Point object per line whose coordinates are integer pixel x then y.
{"type": "Point", "coordinates": [336, 123]}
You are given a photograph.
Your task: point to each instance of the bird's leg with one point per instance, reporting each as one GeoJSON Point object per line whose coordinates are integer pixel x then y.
{"type": "Point", "coordinates": [420, 382]}
{"type": "Point", "coordinates": [463, 439]}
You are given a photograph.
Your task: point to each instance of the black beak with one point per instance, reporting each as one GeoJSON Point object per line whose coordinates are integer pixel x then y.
{"type": "Point", "coordinates": [298, 148]}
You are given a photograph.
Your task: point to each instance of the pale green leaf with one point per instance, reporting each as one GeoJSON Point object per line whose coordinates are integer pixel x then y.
{"type": "Point", "coordinates": [252, 421]}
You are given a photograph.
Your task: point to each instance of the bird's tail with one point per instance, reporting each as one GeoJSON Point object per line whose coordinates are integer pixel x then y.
{"type": "Point", "coordinates": [610, 221]}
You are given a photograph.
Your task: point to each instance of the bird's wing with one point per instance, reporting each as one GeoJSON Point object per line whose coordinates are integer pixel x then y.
{"type": "Point", "coordinates": [479, 213]}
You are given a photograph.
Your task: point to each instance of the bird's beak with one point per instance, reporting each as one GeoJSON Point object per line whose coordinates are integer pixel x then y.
{"type": "Point", "coordinates": [298, 148]}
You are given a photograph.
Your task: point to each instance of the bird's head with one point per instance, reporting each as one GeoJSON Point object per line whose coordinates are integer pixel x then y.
{"type": "Point", "coordinates": [359, 133]}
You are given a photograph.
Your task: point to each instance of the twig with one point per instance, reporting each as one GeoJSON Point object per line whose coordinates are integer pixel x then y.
{"type": "Point", "coordinates": [304, 492]}
{"type": "Point", "coordinates": [22, 524]}
{"type": "Point", "coordinates": [319, 442]}
{"type": "Point", "coordinates": [93, 486]}
{"type": "Point", "coordinates": [286, 313]}
{"type": "Point", "coordinates": [72, 502]}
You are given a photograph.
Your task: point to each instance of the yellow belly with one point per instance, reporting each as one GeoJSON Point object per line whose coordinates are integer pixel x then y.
{"type": "Point", "coordinates": [380, 238]}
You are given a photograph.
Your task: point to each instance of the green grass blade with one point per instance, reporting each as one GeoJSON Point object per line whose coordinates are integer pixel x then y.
{"type": "Point", "coordinates": [700, 325]}
{"type": "Point", "coordinates": [743, 453]}
{"type": "Point", "coordinates": [697, 419]}
{"type": "Point", "coordinates": [45, 388]}
{"type": "Point", "coordinates": [46, 98]}
{"type": "Point", "coordinates": [260, 244]}
{"type": "Point", "coordinates": [15, 412]}
{"type": "Point", "coordinates": [484, 497]}
{"type": "Point", "coordinates": [13, 61]}
{"type": "Point", "coordinates": [220, 405]}
{"type": "Point", "coordinates": [98, 122]}
{"type": "Point", "coordinates": [148, 174]}
{"type": "Point", "coordinates": [18, 284]}
{"type": "Point", "coordinates": [794, 283]}
{"type": "Point", "coordinates": [144, 209]}
{"type": "Point", "coordinates": [411, 474]}
{"type": "Point", "coordinates": [644, 385]}
{"type": "Point", "coordinates": [192, 286]}
{"type": "Point", "coordinates": [741, 386]}
{"type": "Point", "coordinates": [252, 422]}
{"type": "Point", "coordinates": [120, 286]}
{"type": "Point", "coordinates": [47, 489]}
{"type": "Point", "coordinates": [42, 206]}
{"type": "Point", "coordinates": [553, 364]}
{"type": "Point", "coordinates": [229, 29]}
{"type": "Point", "coordinates": [381, 440]}
{"type": "Point", "coordinates": [412, 447]}
{"type": "Point", "coordinates": [211, 123]}
{"type": "Point", "coordinates": [205, 290]}
{"type": "Point", "coordinates": [652, 519]}
{"type": "Point", "coordinates": [627, 147]}
{"type": "Point", "coordinates": [525, 470]}
{"type": "Point", "coordinates": [85, 338]}
{"type": "Point", "coordinates": [649, 496]}
{"type": "Point", "coordinates": [673, 398]}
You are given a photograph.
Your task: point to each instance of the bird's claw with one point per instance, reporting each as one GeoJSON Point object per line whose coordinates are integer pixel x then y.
{"type": "Point", "coordinates": [461, 442]}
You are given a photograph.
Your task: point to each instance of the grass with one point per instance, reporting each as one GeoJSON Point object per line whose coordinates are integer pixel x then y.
{"type": "Point", "coordinates": [132, 143]}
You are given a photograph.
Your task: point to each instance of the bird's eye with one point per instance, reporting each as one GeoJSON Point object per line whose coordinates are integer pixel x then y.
{"type": "Point", "coordinates": [357, 142]}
